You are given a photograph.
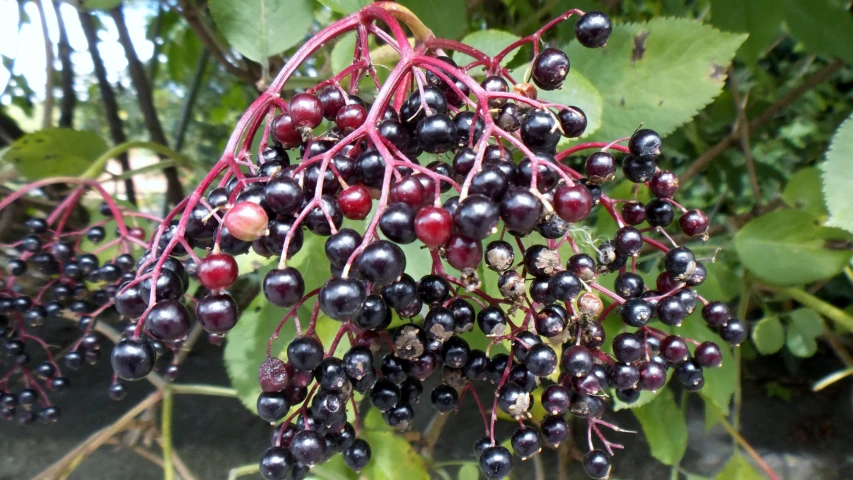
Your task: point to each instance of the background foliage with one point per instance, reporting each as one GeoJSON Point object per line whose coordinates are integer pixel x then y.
{"type": "Point", "coordinates": [755, 98]}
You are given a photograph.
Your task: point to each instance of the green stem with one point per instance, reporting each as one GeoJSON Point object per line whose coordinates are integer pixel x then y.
{"type": "Point", "coordinates": [199, 389]}
{"type": "Point", "coordinates": [97, 167]}
{"type": "Point", "coordinates": [238, 472]}
{"type": "Point", "coordinates": [166, 433]}
{"type": "Point", "coordinates": [827, 310]}
{"type": "Point", "coordinates": [746, 446]}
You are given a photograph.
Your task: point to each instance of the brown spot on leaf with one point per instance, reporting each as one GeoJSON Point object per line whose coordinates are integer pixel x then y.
{"type": "Point", "coordinates": [622, 102]}
{"type": "Point", "coordinates": [639, 46]}
{"type": "Point", "coordinates": [718, 72]}
{"type": "Point", "coordinates": [835, 244]}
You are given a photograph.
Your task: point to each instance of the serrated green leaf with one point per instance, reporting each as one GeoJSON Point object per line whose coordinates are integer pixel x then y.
{"type": "Point", "coordinates": [803, 192]}
{"type": "Point", "coordinates": [659, 73]}
{"type": "Point", "coordinates": [446, 19]}
{"type": "Point", "coordinates": [822, 26]}
{"type": "Point", "coordinates": [761, 19]}
{"type": "Point", "coordinates": [804, 328]}
{"type": "Point", "coordinates": [345, 6]}
{"type": "Point", "coordinates": [837, 171]}
{"type": "Point", "coordinates": [259, 29]}
{"type": "Point", "coordinates": [392, 457]}
{"type": "Point", "coordinates": [54, 152]}
{"type": "Point", "coordinates": [788, 247]}
{"type": "Point", "coordinates": [739, 468]}
{"type": "Point", "coordinates": [768, 335]}
{"type": "Point", "coordinates": [664, 427]}
{"type": "Point", "coordinates": [490, 42]}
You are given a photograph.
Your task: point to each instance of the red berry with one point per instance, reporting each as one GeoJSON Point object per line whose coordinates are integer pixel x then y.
{"type": "Point", "coordinates": [410, 191]}
{"type": "Point", "coordinates": [246, 221]}
{"type": "Point", "coordinates": [463, 252]}
{"type": "Point", "coordinates": [572, 202]}
{"type": "Point", "coordinates": [633, 212]}
{"type": "Point", "coordinates": [285, 132]}
{"type": "Point", "coordinates": [350, 117]}
{"type": "Point", "coordinates": [355, 202]}
{"type": "Point", "coordinates": [218, 271]}
{"type": "Point", "coordinates": [664, 184]}
{"type": "Point", "coordinates": [332, 100]}
{"type": "Point", "coordinates": [306, 110]}
{"type": "Point", "coordinates": [433, 226]}
{"type": "Point", "coordinates": [137, 233]}
{"type": "Point", "coordinates": [693, 222]}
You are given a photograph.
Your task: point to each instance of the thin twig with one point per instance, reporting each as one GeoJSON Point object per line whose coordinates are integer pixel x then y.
{"type": "Point", "coordinates": [816, 79]}
{"type": "Point", "coordinates": [47, 119]}
{"type": "Point", "coordinates": [746, 446]}
{"type": "Point", "coordinates": [742, 126]}
{"type": "Point", "coordinates": [69, 97]}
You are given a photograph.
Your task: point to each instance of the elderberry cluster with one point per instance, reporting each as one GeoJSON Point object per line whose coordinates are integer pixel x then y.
{"type": "Point", "coordinates": [493, 174]}
{"type": "Point", "coordinates": [49, 278]}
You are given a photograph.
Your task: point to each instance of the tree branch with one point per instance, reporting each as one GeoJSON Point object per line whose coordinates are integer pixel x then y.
{"type": "Point", "coordinates": [174, 190]}
{"type": "Point", "coordinates": [154, 63]}
{"type": "Point", "coordinates": [197, 24]}
{"type": "Point", "coordinates": [69, 97]}
{"type": "Point", "coordinates": [47, 119]}
{"type": "Point", "coordinates": [192, 95]}
{"type": "Point", "coordinates": [816, 79]}
{"type": "Point", "coordinates": [108, 97]}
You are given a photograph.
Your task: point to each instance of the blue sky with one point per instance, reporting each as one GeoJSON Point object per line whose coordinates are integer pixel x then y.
{"type": "Point", "coordinates": [28, 46]}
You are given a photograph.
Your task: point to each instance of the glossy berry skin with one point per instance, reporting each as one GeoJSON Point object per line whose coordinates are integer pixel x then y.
{"type": "Point", "coordinates": [436, 133]}
{"type": "Point", "coordinates": [539, 131]}
{"type": "Point", "coordinates": [355, 202]}
{"type": "Point", "coordinates": [673, 349]}
{"type": "Point", "coordinates": [217, 313]}
{"type": "Point", "coordinates": [409, 191]}
{"type": "Point", "coordinates": [638, 170]}
{"type": "Point", "coordinates": [596, 464]}
{"type": "Point", "coordinates": [525, 442]}
{"type": "Point", "coordinates": [357, 455]}
{"type": "Point", "coordinates": [495, 462]}
{"type": "Point", "coordinates": [476, 217]}
{"type": "Point", "coordinates": [276, 463]}
{"type": "Point", "coordinates": [636, 312]}
{"type": "Point", "coordinates": [550, 68]}
{"type": "Point", "coordinates": [577, 361]}
{"type": "Point", "coordinates": [628, 241]}
{"type": "Point", "coordinates": [716, 313]}
{"type": "Point", "coordinates": [708, 355]}
{"type": "Point", "coordinates": [341, 298]}
{"type": "Point", "coordinates": [693, 223]}
{"type": "Point", "coordinates": [308, 447]}
{"type": "Point", "coordinates": [168, 320]}
{"type": "Point", "coordinates": [633, 212]}
{"type": "Point", "coordinates": [284, 287]}
{"type": "Point", "coordinates": [133, 359]}
{"type": "Point", "coordinates": [645, 144]}
{"type": "Point", "coordinates": [520, 210]}
{"type": "Point", "coordinates": [659, 213]}
{"type": "Point", "coordinates": [340, 246]}
{"type": "Point", "coordinates": [272, 406]}
{"type": "Point", "coordinates": [397, 223]}
{"type": "Point", "coordinates": [381, 262]}
{"type": "Point", "coordinates": [600, 167]}
{"type": "Point", "coordinates": [593, 29]}
{"type": "Point", "coordinates": [572, 121]}
{"type": "Point", "coordinates": [444, 398]}
{"type": "Point", "coordinates": [663, 184]}
{"type": "Point", "coordinates": [433, 226]}
{"type": "Point", "coordinates": [284, 131]}
{"type": "Point", "coordinates": [332, 101]}
{"type": "Point", "coordinates": [572, 203]}
{"type": "Point", "coordinates": [306, 110]}
{"type": "Point", "coordinates": [246, 221]}
{"type": "Point", "coordinates": [734, 332]}
{"type": "Point", "coordinates": [350, 117]}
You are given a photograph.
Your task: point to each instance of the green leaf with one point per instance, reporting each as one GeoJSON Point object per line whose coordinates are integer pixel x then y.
{"type": "Point", "coordinates": [823, 26]}
{"type": "Point", "coordinates": [392, 457]}
{"type": "Point", "coordinates": [788, 247]}
{"type": "Point", "coordinates": [490, 42]}
{"type": "Point", "coordinates": [664, 427]}
{"type": "Point", "coordinates": [100, 4]}
{"type": "Point", "coordinates": [803, 330]}
{"type": "Point", "coordinates": [761, 19]}
{"type": "Point", "coordinates": [246, 346]}
{"type": "Point", "coordinates": [722, 282]}
{"type": "Point", "coordinates": [54, 152]}
{"type": "Point", "coordinates": [768, 335]}
{"type": "Point", "coordinates": [446, 18]}
{"type": "Point", "coordinates": [837, 171]}
{"type": "Point", "coordinates": [803, 192]}
{"type": "Point", "coordinates": [345, 6]}
{"type": "Point", "coordinates": [469, 471]}
{"type": "Point", "coordinates": [342, 52]}
{"type": "Point", "coordinates": [259, 29]}
{"type": "Point", "coordinates": [739, 468]}
{"type": "Point", "coordinates": [659, 73]}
